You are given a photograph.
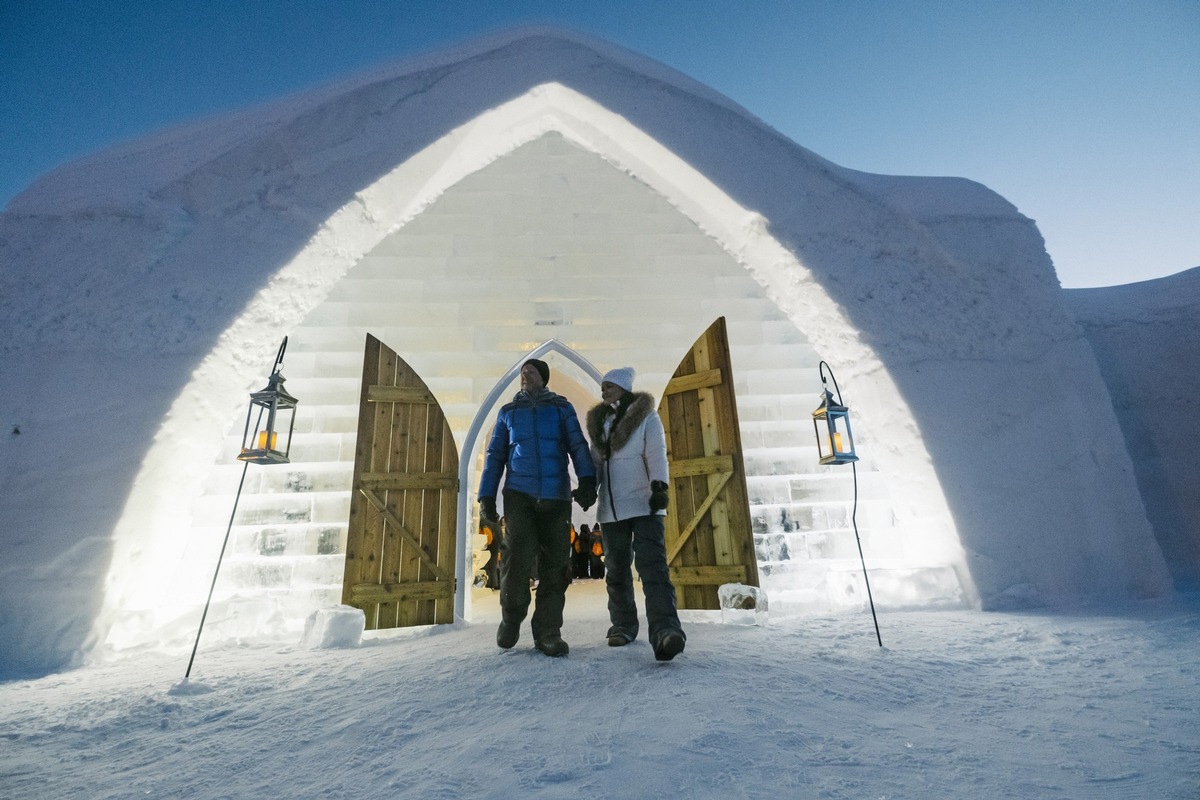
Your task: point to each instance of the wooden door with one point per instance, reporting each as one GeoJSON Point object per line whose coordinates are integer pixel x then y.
{"type": "Point", "coordinates": [708, 530]}
{"type": "Point", "coordinates": [400, 549]}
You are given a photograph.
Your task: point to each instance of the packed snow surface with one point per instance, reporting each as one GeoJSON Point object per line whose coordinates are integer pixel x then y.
{"type": "Point", "coordinates": [1101, 704]}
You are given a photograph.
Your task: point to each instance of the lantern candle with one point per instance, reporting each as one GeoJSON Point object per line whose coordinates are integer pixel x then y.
{"type": "Point", "coordinates": [836, 442]}
{"type": "Point", "coordinates": [262, 440]}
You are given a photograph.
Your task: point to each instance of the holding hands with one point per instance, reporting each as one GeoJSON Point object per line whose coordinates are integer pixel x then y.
{"type": "Point", "coordinates": [585, 495]}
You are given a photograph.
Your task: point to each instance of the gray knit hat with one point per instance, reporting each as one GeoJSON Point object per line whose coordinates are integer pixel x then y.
{"type": "Point", "coordinates": [621, 376]}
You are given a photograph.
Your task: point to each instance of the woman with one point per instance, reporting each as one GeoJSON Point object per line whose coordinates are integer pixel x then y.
{"type": "Point", "coordinates": [629, 450]}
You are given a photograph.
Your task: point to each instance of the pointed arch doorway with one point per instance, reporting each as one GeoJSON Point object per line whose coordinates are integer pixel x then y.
{"type": "Point", "coordinates": [581, 373]}
{"type": "Point", "coordinates": [708, 529]}
{"type": "Point", "coordinates": [408, 554]}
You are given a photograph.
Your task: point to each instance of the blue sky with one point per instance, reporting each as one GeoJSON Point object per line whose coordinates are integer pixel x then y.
{"type": "Point", "coordinates": [1085, 115]}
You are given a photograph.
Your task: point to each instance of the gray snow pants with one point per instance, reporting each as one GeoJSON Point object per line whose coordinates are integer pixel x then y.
{"type": "Point", "coordinates": [639, 540]}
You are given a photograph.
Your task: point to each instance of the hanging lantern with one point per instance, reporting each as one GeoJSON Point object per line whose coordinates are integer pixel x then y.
{"type": "Point", "coordinates": [831, 423]}
{"type": "Point", "coordinates": [260, 445]}
{"type": "Point", "coordinates": [271, 411]}
{"type": "Point", "coordinates": [835, 445]}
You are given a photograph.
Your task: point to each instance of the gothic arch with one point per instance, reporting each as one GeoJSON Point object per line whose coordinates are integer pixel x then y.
{"type": "Point", "coordinates": [165, 485]}
{"type": "Point", "coordinates": [472, 443]}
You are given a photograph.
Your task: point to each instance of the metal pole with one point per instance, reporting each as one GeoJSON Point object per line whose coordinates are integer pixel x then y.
{"type": "Point", "coordinates": [863, 561]}
{"type": "Point", "coordinates": [204, 616]}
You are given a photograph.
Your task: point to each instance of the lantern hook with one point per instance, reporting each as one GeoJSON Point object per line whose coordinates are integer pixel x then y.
{"type": "Point", "coordinates": [279, 357]}
{"type": "Point", "coordinates": [821, 368]}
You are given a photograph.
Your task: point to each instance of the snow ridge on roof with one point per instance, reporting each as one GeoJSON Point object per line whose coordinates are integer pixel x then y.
{"type": "Point", "coordinates": [1167, 297]}
{"type": "Point", "coordinates": [127, 173]}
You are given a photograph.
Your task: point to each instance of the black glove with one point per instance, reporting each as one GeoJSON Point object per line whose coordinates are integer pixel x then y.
{"type": "Point", "coordinates": [658, 496]}
{"type": "Point", "coordinates": [585, 495]}
{"type": "Point", "coordinates": [487, 511]}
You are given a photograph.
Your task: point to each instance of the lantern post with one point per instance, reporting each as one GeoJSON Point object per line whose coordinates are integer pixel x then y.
{"type": "Point", "coordinates": [835, 445]}
{"type": "Point", "coordinates": [270, 407]}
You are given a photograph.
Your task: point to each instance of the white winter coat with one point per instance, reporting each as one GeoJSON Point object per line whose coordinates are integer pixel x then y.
{"type": "Point", "coordinates": [627, 458]}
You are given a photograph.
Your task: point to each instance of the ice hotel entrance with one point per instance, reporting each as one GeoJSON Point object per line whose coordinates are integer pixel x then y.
{"type": "Point", "coordinates": [551, 243]}
{"type": "Point", "coordinates": [411, 501]}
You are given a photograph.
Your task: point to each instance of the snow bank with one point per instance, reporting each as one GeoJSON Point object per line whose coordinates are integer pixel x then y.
{"type": "Point", "coordinates": [1146, 338]}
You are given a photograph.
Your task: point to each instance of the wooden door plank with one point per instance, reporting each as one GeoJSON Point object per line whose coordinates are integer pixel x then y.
{"type": "Point", "coordinates": [377, 532]}
{"type": "Point", "coordinates": [430, 506]}
{"type": "Point", "coordinates": [447, 539]}
{"type": "Point", "coordinates": [356, 545]}
{"type": "Point", "coordinates": [737, 507]}
{"type": "Point", "coordinates": [712, 522]}
{"type": "Point", "coordinates": [692, 552]}
{"type": "Point", "coordinates": [704, 465]}
{"type": "Point", "coordinates": [400, 593]}
{"type": "Point", "coordinates": [680, 501]}
{"type": "Point", "coordinates": [390, 481]}
{"type": "Point", "coordinates": [703, 379]}
{"type": "Point", "coordinates": [381, 393]}
{"type": "Point", "coordinates": [708, 576]}
{"type": "Point", "coordinates": [685, 440]}
{"type": "Point", "coordinates": [393, 419]}
{"type": "Point", "coordinates": [689, 447]}
{"type": "Point", "coordinates": [413, 553]}
{"type": "Point", "coordinates": [722, 539]}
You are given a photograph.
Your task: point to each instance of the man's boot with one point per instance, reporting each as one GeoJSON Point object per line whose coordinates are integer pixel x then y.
{"type": "Point", "coordinates": [552, 645]}
{"type": "Point", "coordinates": [669, 646]}
{"type": "Point", "coordinates": [508, 633]}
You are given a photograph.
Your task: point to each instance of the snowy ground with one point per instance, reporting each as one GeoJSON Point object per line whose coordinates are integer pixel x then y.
{"type": "Point", "coordinates": [957, 704]}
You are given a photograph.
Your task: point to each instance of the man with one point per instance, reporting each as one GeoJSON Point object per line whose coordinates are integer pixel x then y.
{"type": "Point", "coordinates": [534, 436]}
{"type": "Point", "coordinates": [629, 449]}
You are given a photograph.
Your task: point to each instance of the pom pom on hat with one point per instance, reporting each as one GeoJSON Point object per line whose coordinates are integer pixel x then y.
{"type": "Point", "coordinates": [621, 376]}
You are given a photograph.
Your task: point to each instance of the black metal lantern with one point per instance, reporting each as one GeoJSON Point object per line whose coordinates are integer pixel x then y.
{"type": "Point", "coordinates": [260, 445]}
{"type": "Point", "coordinates": [831, 423]}
{"type": "Point", "coordinates": [835, 445]}
{"type": "Point", "coordinates": [278, 407]}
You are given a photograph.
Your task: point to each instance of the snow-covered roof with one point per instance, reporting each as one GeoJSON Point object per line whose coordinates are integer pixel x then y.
{"type": "Point", "coordinates": [135, 170]}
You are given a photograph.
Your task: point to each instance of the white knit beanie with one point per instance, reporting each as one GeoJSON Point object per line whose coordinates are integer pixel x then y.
{"type": "Point", "coordinates": [621, 376]}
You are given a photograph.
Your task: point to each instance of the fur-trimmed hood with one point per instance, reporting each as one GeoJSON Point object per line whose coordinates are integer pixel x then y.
{"type": "Point", "coordinates": [640, 407]}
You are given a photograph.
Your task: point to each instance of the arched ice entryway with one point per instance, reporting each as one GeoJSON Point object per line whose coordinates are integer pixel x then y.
{"type": "Point", "coordinates": [547, 214]}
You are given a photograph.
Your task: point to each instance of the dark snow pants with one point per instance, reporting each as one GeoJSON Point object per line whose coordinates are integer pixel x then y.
{"type": "Point", "coordinates": [541, 530]}
{"type": "Point", "coordinates": [639, 540]}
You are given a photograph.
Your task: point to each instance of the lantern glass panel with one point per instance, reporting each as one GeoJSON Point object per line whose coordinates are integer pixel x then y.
{"type": "Point", "coordinates": [835, 442]}
{"type": "Point", "coordinates": [841, 441]}
{"type": "Point", "coordinates": [272, 411]}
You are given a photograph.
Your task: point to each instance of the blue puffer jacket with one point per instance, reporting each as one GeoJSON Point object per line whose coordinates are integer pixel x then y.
{"type": "Point", "coordinates": [532, 439]}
